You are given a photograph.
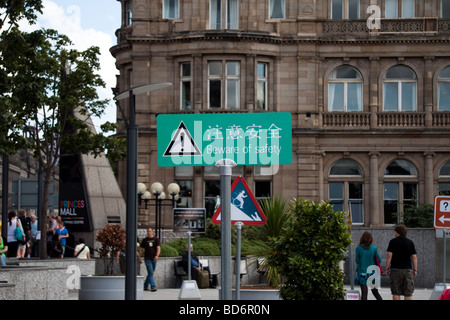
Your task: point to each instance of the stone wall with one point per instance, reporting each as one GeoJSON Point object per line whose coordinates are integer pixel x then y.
{"type": "Point", "coordinates": [41, 279]}
{"type": "Point", "coordinates": [424, 241]}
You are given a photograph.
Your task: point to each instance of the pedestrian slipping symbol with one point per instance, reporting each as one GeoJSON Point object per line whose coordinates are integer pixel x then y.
{"type": "Point", "coordinates": [182, 144]}
{"type": "Point", "coordinates": [243, 207]}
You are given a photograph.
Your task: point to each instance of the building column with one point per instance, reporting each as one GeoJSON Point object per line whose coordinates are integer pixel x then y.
{"type": "Point", "coordinates": [197, 188]}
{"type": "Point", "coordinates": [373, 92]}
{"type": "Point", "coordinates": [428, 92]}
{"type": "Point", "coordinates": [374, 199]}
{"type": "Point", "coordinates": [429, 190]}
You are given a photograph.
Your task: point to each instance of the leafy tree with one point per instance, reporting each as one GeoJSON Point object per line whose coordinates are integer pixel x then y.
{"type": "Point", "coordinates": [308, 252]}
{"type": "Point", "coordinates": [11, 12]}
{"type": "Point", "coordinates": [52, 91]}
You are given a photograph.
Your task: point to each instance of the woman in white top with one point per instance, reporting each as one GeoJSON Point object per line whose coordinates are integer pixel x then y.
{"type": "Point", "coordinates": [13, 244]}
{"type": "Point", "coordinates": [82, 250]}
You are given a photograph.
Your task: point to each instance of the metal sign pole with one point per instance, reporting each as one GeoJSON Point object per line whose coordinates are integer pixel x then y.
{"type": "Point", "coordinates": [131, 223]}
{"type": "Point", "coordinates": [238, 260]}
{"type": "Point", "coordinates": [132, 199]}
{"type": "Point", "coordinates": [444, 256]}
{"type": "Point", "coordinates": [225, 166]}
{"type": "Point", "coordinates": [189, 255]}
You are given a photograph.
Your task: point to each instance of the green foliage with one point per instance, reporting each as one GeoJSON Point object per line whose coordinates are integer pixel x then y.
{"type": "Point", "coordinates": [308, 252]}
{"type": "Point", "coordinates": [49, 90]}
{"type": "Point", "coordinates": [277, 214]}
{"type": "Point", "coordinates": [168, 251]}
{"type": "Point", "coordinates": [13, 11]}
{"type": "Point", "coordinates": [255, 247]}
{"type": "Point", "coordinates": [420, 216]}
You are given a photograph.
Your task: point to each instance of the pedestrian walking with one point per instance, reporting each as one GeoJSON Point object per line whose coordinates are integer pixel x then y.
{"type": "Point", "coordinates": [366, 257]}
{"type": "Point", "coordinates": [152, 249]}
{"type": "Point", "coordinates": [401, 264]}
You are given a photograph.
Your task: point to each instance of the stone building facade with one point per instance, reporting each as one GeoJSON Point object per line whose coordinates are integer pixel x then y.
{"type": "Point", "coordinates": [367, 83]}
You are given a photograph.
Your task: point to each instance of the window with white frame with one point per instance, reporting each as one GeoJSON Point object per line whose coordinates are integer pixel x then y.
{"type": "Point", "coordinates": [345, 188]}
{"type": "Point", "coordinates": [345, 89]}
{"type": "Point", "coordinates": [224, 84]}
{"type": "Point", "coordinates": [170, 9]}
{"type": "Point", "coordinates": [400, 189]}
{"type": "Point", "coordinates": [261, 86]}
{"type": "Point", "coordinates": [445, 9]}
{"type": "Point", "coordinates": [277, 9]}
{"type": "Point", "coordinates": [400, 89]}
{"type": "Point", "coordinates": [444, 90]}
{"type": "Point", "coordinates": [128, 13]}
{"type": "Point", "coordinates": [345, 9]}
{"type": "Point", "coordinates": [185, 86]}
{"type": "Point", "coordinates": [231, 9]}
{"type": "Point", "coordinates": [399, 8]}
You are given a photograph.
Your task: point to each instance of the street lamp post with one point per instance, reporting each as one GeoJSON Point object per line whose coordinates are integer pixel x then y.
{"type": "Point", "coordinates": [131, 210]}
{"type": "Point", "coordinates": [158, 191]}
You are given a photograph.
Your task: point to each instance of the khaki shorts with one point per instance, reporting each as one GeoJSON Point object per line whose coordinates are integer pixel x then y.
{"type": "Point", "coordinates": [402, 282]}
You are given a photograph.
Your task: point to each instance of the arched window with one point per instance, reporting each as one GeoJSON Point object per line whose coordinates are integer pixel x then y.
{"type": "Point", "coordinates": [444, 179]}
{"type": "Point", "coordinates": [345, 89]}
{"type": "Point", "coordinates": [400, 89]}
{"type": "Point", "coordinates": [400, 188]}
{"type": "Point", "coordinates": [400, 168]}
{"type": "Point", "coordinates": [346, 188]}
{"type": "Point", "coordinates": [444, 90]}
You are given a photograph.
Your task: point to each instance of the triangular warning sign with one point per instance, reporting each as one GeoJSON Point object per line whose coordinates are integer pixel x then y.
{"type": "Point", "coordinates": [244, 207]}
{"type": "Point", "coordinates": [182, 144]}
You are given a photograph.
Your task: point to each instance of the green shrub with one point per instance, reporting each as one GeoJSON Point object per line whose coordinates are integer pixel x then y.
{"type": "Point", "coordinates": [308, 252]}
{"type": "Point", "coordinates": [206, 247]}
{"type": "Point", "coordinates": [168, 251]}
{"type": "Point", "coordinates": [255, 247]}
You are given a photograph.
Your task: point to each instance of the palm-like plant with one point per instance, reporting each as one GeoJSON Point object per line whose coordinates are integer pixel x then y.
{"type": "Point", "coordinates": [278, 216]}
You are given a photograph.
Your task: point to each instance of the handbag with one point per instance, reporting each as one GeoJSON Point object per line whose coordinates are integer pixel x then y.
{"type": "Point", "coordinates": [18, 234]}
{"type": "Point", "coordinates": [378, 264]}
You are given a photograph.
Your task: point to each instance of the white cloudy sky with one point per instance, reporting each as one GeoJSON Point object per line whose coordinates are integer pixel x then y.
{"type": "Point", "coordinates": [88, 23]}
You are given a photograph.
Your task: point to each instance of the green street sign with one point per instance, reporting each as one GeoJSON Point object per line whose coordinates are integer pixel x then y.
{"type": "Point", "coordinates": [203, 139]}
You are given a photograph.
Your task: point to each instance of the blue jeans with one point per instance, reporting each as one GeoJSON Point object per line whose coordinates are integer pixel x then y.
{"type": "Point", "coordinates": [151, 266]}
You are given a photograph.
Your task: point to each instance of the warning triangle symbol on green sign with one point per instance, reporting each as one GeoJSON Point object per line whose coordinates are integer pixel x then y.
{"type": "Point", "coordinates": [182, 144]}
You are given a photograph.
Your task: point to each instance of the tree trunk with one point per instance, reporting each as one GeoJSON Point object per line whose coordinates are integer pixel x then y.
{"type": "Point", "coordinates": [43, 214]}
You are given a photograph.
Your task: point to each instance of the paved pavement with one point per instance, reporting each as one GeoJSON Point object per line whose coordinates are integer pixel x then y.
{"type": "Point", "coordinates": [213, 294]}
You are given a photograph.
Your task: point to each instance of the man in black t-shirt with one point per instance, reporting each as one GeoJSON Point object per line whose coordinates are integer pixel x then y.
{"type": "Point", "coordinates": [152, 249]}
{"type": "Point", "coordinates": [401, 264]}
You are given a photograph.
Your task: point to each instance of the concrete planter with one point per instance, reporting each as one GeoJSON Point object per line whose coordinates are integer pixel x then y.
{"type": "Point", "coordinates": [107, 288]}
{"type": "Point", "coordinates": [255, 294]}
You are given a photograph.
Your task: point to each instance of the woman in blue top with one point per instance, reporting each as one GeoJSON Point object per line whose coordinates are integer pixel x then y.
{"type": "Point", "coordinates": [365, 256]}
